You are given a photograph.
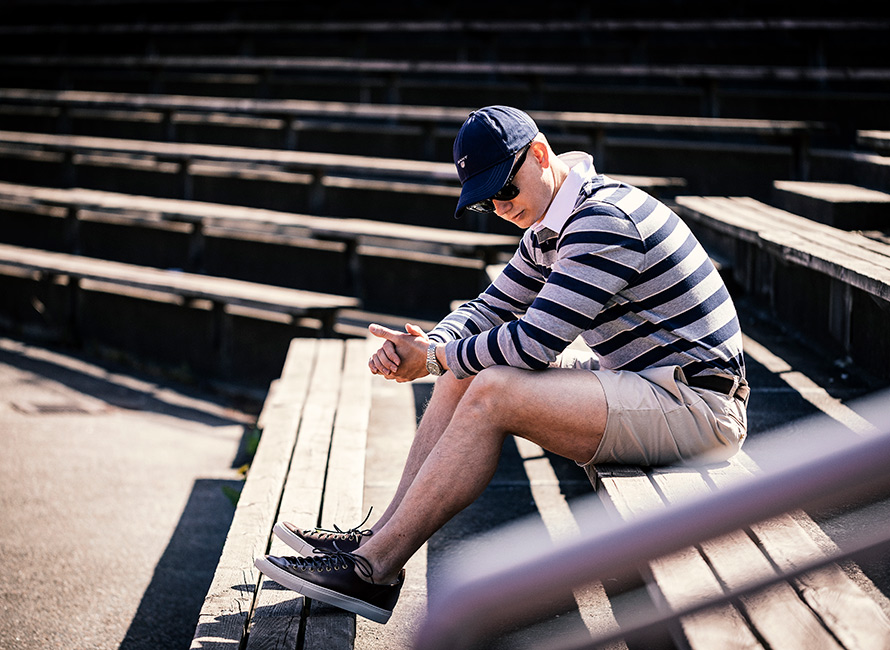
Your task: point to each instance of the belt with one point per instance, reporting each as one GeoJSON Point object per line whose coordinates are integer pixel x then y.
{"type": "Point", "coordinates": [733, 387]}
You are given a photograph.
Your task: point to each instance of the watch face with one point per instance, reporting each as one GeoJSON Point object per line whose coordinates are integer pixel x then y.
{"type": "Point", "coordinates": [432, 364]}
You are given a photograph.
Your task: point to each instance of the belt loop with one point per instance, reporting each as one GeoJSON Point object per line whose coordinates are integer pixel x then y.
{"type": "Point", "coordinates": [735, 386]}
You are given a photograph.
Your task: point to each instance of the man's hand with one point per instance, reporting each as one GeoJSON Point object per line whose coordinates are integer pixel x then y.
{"type": "Point", "coordinates": [403, 354]}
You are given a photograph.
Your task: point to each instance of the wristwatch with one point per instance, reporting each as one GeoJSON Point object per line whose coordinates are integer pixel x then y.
{"type": "Point", "coordinates": [432, 363]}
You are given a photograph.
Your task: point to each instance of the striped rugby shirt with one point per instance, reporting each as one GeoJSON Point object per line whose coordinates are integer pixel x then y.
{"type": "Point", "coordinates": [609, 263]}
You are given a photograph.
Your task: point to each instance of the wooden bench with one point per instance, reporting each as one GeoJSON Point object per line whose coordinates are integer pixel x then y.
{"type": "Point", "coordinates": [318, 165]}
{"type": "Point", "coordinates": [844, 206]}
{"type": "Point", "coordinates": [545, 84]}
{"type": "Point", "coordinates": [399, 190]}
{"type": "Point", "coordinates": [202, 216]}
{"type": "Point", "coordinates": [832, 284]}
{"type": "Point", "coordinates": [411, 270]}
{"type": "Point", "coordinates": [227, 300]}
{"type": "Point", "coordinates": [822, 609]}
{"type": "Point", "coordinates": [291, 115]}
{"type": "Point", "coordinates": [846, 42]}
{"type": "Point", "coordinates": [877, 140]}
{"type": "Point", "coordinates": [416, 192]}
{"type": "Point", "coordinates": [308, 469]}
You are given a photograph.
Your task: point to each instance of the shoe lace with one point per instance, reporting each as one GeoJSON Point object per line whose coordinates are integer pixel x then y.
{"type": "Point", "coordinates": [333, 560]}
{"type": "Point", "coordinates": [355, 533]}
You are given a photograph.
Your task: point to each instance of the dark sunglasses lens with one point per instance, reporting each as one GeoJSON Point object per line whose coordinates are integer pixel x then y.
{"type": "Point", "coordinates": [482, 206]}
{"type": "Point", "coordinates": [507, 193]}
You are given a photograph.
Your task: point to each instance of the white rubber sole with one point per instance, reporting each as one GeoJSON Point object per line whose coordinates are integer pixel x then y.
{"type": "Point", "coordinates": [312, 590]}
{"type": "Point", "coordinates": [300, 546]}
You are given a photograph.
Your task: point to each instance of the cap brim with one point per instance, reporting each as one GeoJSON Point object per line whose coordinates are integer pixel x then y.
{"type": "Point", "coordinates": [483, 185]}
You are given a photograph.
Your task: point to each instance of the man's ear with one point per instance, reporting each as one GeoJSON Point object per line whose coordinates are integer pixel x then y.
{"type": "Point", "coordinates": [542, 153]}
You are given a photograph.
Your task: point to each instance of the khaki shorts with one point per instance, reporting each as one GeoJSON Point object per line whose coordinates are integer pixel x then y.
{"type": "Point", "coordinates": [655, 418]}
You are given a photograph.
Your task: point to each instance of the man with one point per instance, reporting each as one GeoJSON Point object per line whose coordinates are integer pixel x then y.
{"type": "Point", "coordinates": [664, 382]}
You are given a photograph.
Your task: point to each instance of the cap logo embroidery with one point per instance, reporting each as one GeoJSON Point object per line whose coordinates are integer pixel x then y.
{"type": "Point", "coordinates": [462, 162]}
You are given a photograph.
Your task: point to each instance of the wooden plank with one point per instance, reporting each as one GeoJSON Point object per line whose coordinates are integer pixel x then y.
{"type": "Point", "coordinates": [688, 72]}
{"type": "Point", "coordinates": [749, 27]}
{"type": "Point", "coordinates": [682, 578]}
{"type": "Point", "coordinates": [854, 618]}
{"type": "Point", "coordinates": [580, 120]}
{"type": "Point", "coordinates": [330, 628]}
{"type": "Point", "coordinates": [778, 615]}
{"type": "Point", "coordinates": [868, 248]}
{"type": "Point", "coordinates": [878, 140]}
{"type": "Point", "coordinates": [344, 483]}
{"type": "Point", "coordinates": [833, 192]}
{"type": "Point", "coordinates": [278, 612]}
{"type": "Point", "coordinates": [216, 214]}
{"type": "Point", "coordinates": [747, 214]}
{"type": "Point", "coordinates": [848, 257]}
{"type": "Point", "coordinates": [224, 615]}
{"type": "Point", "coordinates": [304, 160]}
{"type": "Point", "coordinates": [189, 285]}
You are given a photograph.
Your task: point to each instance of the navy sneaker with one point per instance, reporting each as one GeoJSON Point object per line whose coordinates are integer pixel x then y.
{"type": "Point", "coordinates": [306, 541]}
{"type": "Point", "coordinates": [329, 576]}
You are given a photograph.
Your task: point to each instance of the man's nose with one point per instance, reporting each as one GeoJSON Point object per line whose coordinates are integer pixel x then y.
{"type": "Point", "coordinates": [502, 208]}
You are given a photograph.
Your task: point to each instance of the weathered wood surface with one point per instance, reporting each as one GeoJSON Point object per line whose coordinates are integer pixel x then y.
{"type": "Point", "coordinates": [746, 26]}
{"type": "Point", "coordinates": [330, 628]}
{"type": "Point", "coordinates": [318, 163]}
{"type": "Point", "coordinates": [231, 216]}
{"type": "Point", "coordinates": [392, 113]}
{"type": "Point", "coordinates": [824, 609]}
{"type": "Point", "coordinates": [680, 579]}
{"type": "Point", "coordinates": [309, 466]}
{"type": "Point", "coordinates": [844, 608]}
{"type": "Point", "coordinates": [225, 614]}
{"type": "Point", "coordinates": [834, 192]}
{"type": "Point", "coordinates": [878, 140]}
{"type": "Point", "coordinates": [393, 67]}
{"type": "Point", "coordinates": [188, 285]}
{"type": "Point", "coordinates": [777, 614]}
{"type": "Point", "coordinates": [846, 256]}
{"type": "Point", "coordinates": [278, 612]}
{"type": "Point", "coordinates": [842, 205]}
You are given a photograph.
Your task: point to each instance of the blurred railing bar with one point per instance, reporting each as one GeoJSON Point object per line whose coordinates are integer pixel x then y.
{"type": "Point", "coordinates": [477, 606]}
{"type": "Point", "coordinates": [644, 624]}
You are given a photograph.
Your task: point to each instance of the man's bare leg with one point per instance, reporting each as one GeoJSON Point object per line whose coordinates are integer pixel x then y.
{"type": "Point", "coordinates": [564, 411]}
{"type": "Point", "coordinates": [446, 395]}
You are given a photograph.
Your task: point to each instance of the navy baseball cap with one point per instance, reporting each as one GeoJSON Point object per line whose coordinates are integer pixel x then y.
{"type": "Point", "coordinates": [484, 150]}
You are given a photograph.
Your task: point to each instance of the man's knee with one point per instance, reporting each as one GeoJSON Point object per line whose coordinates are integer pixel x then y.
{"type": "Point", "coordinates": [488, 390]}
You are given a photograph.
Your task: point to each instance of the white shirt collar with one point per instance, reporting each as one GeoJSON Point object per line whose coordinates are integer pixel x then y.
{"type": "Point", "coordinates": [563, 204]}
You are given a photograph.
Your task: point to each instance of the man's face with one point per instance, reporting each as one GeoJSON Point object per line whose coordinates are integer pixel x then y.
{"type": "Point", "coordinates": [529, 206]}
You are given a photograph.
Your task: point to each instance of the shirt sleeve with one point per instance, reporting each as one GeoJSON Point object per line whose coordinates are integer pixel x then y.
{"type": "Point", "coordinates": [505, 299]}
{"type": "Point", "coordinates": [597, 255]}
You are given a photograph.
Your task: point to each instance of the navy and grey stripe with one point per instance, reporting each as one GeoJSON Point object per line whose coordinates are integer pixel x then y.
{"type": "Point", "coordinates": [625, 273]}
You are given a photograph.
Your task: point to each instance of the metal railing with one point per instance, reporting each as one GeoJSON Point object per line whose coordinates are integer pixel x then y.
{"type": "Point", "coordinates": [474, 607]}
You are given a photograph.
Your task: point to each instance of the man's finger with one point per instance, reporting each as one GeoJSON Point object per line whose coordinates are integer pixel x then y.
{"type": "Point", "coordinates": [388, 352]}
{"type": "Point", "coordinates": [380, 368]}
{"type": "Point", "coordinates": [413, 329]}
{"type": "Point", "coordinates": [384, 332]}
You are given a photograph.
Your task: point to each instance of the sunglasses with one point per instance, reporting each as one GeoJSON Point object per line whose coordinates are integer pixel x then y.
{"type": "Point", "coordinates": [508, 192]}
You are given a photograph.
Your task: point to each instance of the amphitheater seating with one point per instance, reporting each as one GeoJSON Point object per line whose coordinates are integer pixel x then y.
{"type": "Point", "coordinates": [309, 467]}
{"type": "Point", "coordinates": [197, 139]}
{"type": "Point", "coordinates": [832, 284]}
{"type": "Point", "coordinates": [400, 130]}
{"type": "Point", "coordinates": [406, 191]}
{"type": "Point", "coordinates": [415, 270]}
{"type": "Point", "coordinates": [845, 206]}
{"type": "Point", "coordinates": [757, 91]}
{"type": "Point", "coordinates": [833, 610]}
